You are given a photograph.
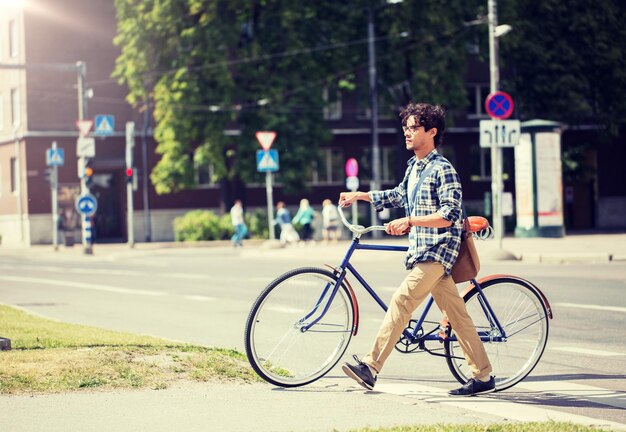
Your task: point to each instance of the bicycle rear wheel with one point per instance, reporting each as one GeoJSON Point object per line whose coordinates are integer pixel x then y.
{"type": "Point", "coordinates": [278, 348]}
{"type": "Point", "coordinates": [523, 316]}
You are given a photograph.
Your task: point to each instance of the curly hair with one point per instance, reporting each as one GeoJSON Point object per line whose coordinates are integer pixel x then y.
{"type": "Point", "coordinates": [429, 116]}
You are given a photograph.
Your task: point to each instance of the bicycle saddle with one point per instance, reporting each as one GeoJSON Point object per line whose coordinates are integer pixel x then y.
{"type": "Point", "coordinates": [477, 223]}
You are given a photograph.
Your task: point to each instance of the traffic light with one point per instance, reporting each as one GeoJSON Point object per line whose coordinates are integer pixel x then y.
{"type": "Point", "coordinates": [88, 173]}
{"type": "Point", "coordinates": [47, 174]}
{"type": "Point", "coordinates": [131, 177]}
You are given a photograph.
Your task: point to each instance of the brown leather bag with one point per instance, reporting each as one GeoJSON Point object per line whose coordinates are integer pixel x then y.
{"type": "Point", "coordinates": [467, 264]}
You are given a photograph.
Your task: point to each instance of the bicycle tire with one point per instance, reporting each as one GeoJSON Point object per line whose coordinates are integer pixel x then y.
{"type": "Point", "coordinates": [523, 314]}
{"type": "Point", "coordinates": [277, 350]}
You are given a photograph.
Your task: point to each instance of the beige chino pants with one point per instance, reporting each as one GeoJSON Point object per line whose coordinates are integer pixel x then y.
{"type": "Point", "coordinates": [429, 278]}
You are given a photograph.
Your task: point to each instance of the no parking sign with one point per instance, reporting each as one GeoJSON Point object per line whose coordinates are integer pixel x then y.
{"type": "Point", "coordinates": [499, 105]}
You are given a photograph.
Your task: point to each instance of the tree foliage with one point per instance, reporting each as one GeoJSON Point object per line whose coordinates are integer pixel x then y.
{"type": "Point", "coordinates": [209, 67]}
{"type": "Point", "coordinates": [568, 59]}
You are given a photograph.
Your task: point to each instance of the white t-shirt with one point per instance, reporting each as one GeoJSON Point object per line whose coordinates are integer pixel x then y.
{"type": "Point", "coordinates": [236, 215]}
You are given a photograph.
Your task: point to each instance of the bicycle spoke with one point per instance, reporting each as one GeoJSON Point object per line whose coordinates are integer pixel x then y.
{"type": "Point", "coordinates": [523, 318]}
{"type": "Point", "coordinates": [279, 344]}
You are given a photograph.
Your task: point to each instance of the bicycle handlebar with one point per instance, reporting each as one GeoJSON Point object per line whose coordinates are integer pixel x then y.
{"type": "Point", "coordinates": [358, 229]}
{"type": "Point", "coordinates": [485, 234]}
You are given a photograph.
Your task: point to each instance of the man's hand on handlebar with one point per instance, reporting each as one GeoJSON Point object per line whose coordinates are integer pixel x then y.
{"type": "Point", "coordinates": [398, 226]}
{"type": "Point", "coordinates": [347, 198]}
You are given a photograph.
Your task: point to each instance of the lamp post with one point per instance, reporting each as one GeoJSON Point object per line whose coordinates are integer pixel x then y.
{"type": "Point", "coordinates": [497, 186]}
{"type": "Point", "coordinates": [375, 183]}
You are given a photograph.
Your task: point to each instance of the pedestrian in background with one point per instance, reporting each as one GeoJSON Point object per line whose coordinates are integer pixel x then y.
{"type": "Point", "coordinates": [283, 219]}
{"type": "Point", "coordinates": [304, 217]}
{"type": "Point", "coordinates": [330, 222]}
{"type": "Point", "coordinates": [237, 219]}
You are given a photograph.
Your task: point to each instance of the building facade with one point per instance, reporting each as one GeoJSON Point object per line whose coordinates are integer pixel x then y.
{"type": "Point", "coordinates": [40, 102]}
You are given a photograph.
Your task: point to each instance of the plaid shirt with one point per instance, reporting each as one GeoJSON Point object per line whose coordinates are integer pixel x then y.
{"type": "Point", "coordinates": [439, 193]}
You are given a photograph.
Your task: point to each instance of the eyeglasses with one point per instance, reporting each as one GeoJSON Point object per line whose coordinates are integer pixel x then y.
{"type": "Point", "coordinates": [411, 129]}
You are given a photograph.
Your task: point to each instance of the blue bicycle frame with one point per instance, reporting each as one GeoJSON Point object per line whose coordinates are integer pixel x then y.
{"type": "Point", "coordinates": [411, 335]}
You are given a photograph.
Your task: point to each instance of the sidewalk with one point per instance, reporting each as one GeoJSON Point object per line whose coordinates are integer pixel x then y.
{"type": "Point", "coordinates": [569, 249]}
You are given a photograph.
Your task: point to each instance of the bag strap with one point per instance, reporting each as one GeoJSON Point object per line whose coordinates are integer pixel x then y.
{"type": "Point", "coordinates": [423, 176]}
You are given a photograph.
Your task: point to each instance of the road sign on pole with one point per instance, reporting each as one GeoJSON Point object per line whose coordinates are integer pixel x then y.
{"type": "Point", "coordinates": [499, 105]}
{"type": "Point", "coordinates": [55, 156]}
{"type": "Point", "coordinates": [266, 139]}
{"type": "Point", "coordinates": [84, 126]}
{"type": "Point", "coordinates": [499, 133]}
{"type": "Point", "coordinates": [267, 160]}
{"type": "Point", "coordinates": [86, 204]}
{"type": "Point", "coordinates": [104, 125]}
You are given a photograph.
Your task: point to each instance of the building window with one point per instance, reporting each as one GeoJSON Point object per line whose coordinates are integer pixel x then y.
{"type": "Point", "coordinates": [13, 42]}
{"type": "Point", "coordinates": [14, 174]}
{"type": "Point", "coordinates": [330, 168]}
{"type": "Point", "coordinates": [477, 94]}
{"type": "Point", "coordinates": [15, 107]}
{"type": "Point", "coordinates": [332, 99]}
{"type": "Point", "coordinates": [205, 174]}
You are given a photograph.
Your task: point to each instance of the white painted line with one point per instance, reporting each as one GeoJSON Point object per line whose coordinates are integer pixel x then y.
{"type": "Point", "coordinates": [593, 307]}
{"type": "Point", "coordinates": [200, 298]}
{"type": "Point", "coordinates": [87, 286]}
{"type": "Point", "coordinates": [580, 391]}
{"type": "Point", "coordinates": [182, 276]}
{"type": "Point", "coordinates": [492, 406]}
{"type": "Point", "coordinates": [591, 352]}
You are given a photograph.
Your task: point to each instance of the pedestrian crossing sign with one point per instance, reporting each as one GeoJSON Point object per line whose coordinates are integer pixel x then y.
{"type": "Point", "coordinates": [267, 160]}
{"type": "Point", "coordinates": [55, 157]}
{"type": "Point", "coordinates": [105, 125]}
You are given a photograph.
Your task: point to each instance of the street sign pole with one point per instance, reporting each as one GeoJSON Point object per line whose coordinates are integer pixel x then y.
{"type": "Point", "coordinates": [130, 145]}
{"type": "Point", "coordinates": [270, 204]}
{"type": "Point", "coordinates": [54, 185]}
{"type": "Point", "coordinates": [84, 126]}
{"type": "Point", "coordinates": [496, 152]}
{"type": "Point", "coordinates": [266, 139]}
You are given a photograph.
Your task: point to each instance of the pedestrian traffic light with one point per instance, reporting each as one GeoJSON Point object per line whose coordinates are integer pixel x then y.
{"type": "Point", "coordinates": [47, 174]}
{"type": "Point", "coordinates": [129, 174]}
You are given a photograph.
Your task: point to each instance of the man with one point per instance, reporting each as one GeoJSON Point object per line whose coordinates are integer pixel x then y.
{"type": "Point", "coordinates": [431, 196]}
{"type": "Point", "coordinates": [237, 219]}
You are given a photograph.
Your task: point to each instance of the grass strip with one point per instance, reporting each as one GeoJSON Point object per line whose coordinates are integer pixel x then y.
{"type": "Point", "coordinates": [51, 357]}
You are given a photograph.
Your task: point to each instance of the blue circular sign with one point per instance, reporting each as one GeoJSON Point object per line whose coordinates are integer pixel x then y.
{"type": "Point", "coordinates": [86, 204]}
{"type": "Point", "coordinates": [499, 105]}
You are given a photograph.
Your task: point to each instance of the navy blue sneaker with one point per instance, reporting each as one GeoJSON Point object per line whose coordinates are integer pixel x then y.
{"type": "Point", "coordinates": [361, 373]}
{"type": "Point", "coordinates": [475, 387]}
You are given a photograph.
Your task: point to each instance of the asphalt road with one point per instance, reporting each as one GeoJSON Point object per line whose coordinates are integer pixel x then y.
{"type": "Point", "coordinates": [204, 295]}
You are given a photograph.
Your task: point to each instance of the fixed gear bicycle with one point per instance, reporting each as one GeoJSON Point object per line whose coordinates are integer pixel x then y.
{"type": "Point", "coordinates": [302, 322]}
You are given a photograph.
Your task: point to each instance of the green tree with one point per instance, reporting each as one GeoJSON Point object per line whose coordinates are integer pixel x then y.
{"type": "Point", "coordinates": [568, 60]}
{"type": "Point", "coordinates": [205, 67]}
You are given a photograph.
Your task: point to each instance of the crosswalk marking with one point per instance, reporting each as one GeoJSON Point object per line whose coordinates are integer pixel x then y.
{"type": "Point", "coordinates": [599, 395]}
{"type": "Point", "coordinates": [593, 352]}
{"type": "Point", "coordinates": [591, 307]}
{"type": "Point", "coordinates": [496, 407]}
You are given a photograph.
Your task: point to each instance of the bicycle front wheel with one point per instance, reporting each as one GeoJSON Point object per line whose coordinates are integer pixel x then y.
{"type": "Point", "coordinates": [523, 316]}
{"type": "Point", "coordinates": [279, 346]}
